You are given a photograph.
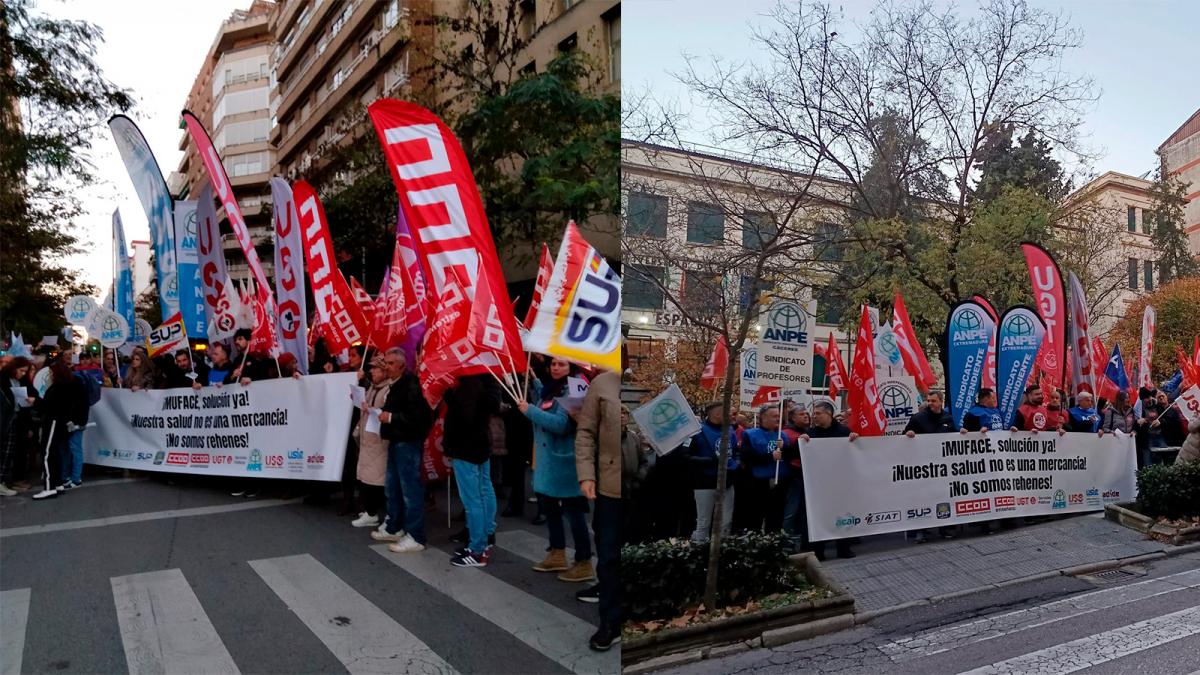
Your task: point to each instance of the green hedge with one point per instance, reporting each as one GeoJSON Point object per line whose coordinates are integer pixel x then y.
{"type": "Point", "coordinates": [1170, 490]}
{"type": "Point", "coordinates": [660, 579]}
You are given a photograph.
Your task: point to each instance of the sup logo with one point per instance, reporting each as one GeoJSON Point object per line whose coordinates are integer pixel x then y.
{"type": "Point", "coordinates": [897, 401]}
{"type": "Point", "coordinates": [666, 417]}
{"type": "Point", "coordinates": [1060, 500]}
{"type": "Point", "coordinates": [594, 317]}
{"type": "Point", "coordinates": [254, 463]}
{"type": "Point", "coordinates": [786, 322]}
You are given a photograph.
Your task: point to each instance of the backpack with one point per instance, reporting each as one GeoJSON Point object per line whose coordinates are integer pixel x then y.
{"type": "Point", "coordinates": [92, 386]}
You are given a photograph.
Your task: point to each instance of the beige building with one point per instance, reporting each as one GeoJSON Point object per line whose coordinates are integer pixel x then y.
{"type": "Point", "coordinates": [231, 96]}
{"type": "Point", "coordinates": [1181, 152]}
{"type": "Point", "coordinates": [1117, 238]}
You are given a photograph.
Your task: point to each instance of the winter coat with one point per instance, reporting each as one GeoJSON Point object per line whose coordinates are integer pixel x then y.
{"type": "Point", "coordinates": [601, 450]}
{"type": "Point", "coordinates": [1084, 419]}
{"type": "Point", "coordinates": [1190, 450]}
{"type": "Point", "coordinates": [411, 417]}
{"type": "Point", "coordinates": [925, 421]}
{"type": "Point", "coordinates": [979, 417]}
{"type": "Point", "coordinates": [757, 446]}
{"type": "Point", "coordinates": [1114, 420]}
{"type": "Point", "coordinates": [469, 408]}
{"type": "Point", "coordinates": [372, 449]}
{"type": "Point", "coordinates": [556, 473]}
{"type": "Point", "coordinates": [702, 456]}
{"type": "Point", "coordinates": [65, 402]}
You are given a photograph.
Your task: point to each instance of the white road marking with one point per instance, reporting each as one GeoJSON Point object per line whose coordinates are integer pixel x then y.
{"type": "Point", "coordinates": [359, 634]}
{"type": "Point", "coordinates": [14, 616]}
{"type": "Point", "coordinates": [164, 629]}
{"type": "Point", "coordinates": [1100, 648]}
{"type": "Point", "coordinates": [938, 640]}
{"type": "Point", "coordinates": [8, 532]}
{"type": "Point", "coordinates": [560, 636]}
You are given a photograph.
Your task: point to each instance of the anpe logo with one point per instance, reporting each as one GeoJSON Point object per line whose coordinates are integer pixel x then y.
{"type": "Point", "coordinates": [846, 521]}
{"type": "Point", "coordinates": [1008, 502]}
{"type": "Point", "coordinates": [883, 517]}
{"type": "Point", "coordinates": [1075, 498]}
{"type": "Point", "coordinates": [316, 459]}
{"type": "Point", "coordinates": [943, 510]}
{"type": "Point", "coordinates": [254, 463]}
{"type": "Point", "coordinates": [200, 458]}
{"type": "Point", "coordinates": [295, 454]}
{"type": "Point", "coordinates": [970, 506]}
{"type": "Point", "coordinates": [787, 322]}
{"type": "Point", "coordinates": [180, 458]}
{"type": "Point", "coordinates": [1060, 499]}
{"type": "Point", "coordinates": [897, 403]}
{"type": "Point", "coordinates": [917, 514]}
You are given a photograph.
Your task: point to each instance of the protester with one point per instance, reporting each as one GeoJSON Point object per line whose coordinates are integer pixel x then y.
{"type": "Point", "coordinates": [371, 467]}
{"type": "Point", "coordinates": [1084, 417]}
{"type": "Point", "coordinates": [794, 518]}
{"type": "Point", "coordinates": [467, 442]}
{"type": "Point", "coordinates": [182, 372]}
{"type": "Point", "coordinates": [221, 370]}
{"type": "Point", "coordinates": [14, 395]}
{"type": "Point", "coordinates": [932, 418]}
{"type": "Point", "coordinates": [1156, 417]}
{"type": "Point", "coordinates": [984, 414]}
{"type": "Point", "coordinates": [554, 479]}
{"type": "Point", "coordinates": [111, 369]}
{"type": "Point", "coordinates": [1058, 417]}
{"type": "Point", "coordinates": [1032, 414]}
{"type": "Point", "coordinates": [406, 420]}
{"type": "Point", "coordinates": [825, 426]}
{"type": "Point", "coordinates": [1118, 415]}
{"type": "Point", "coordinates": [518, 438]}
{"type": "Point", "coordinates": [1174, 424]}
{"type": "Point", "coordinates": [141, 374]}
{"type": "Point", "coordinates": [702, 456]}
{"type": "Point", "coordinates": [598, 464]}
{"type": "Point", "coordinates": [1189, 451]}
{"type": "Point", "coordinates": [760, 499]}
{"type": "Point", "coordinates": [65, 414]}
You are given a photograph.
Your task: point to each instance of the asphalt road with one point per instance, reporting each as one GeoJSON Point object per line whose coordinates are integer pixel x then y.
{"type": "Point", "coordinates": [144, 576]}
{"type": "Point", "coordinates": [1146, 620]}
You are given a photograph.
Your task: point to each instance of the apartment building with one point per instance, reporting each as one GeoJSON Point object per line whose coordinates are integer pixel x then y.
{"type": "Point", "coordinates": [1181, 153]}
{"type": "Point", "coordinates": [231, 96]}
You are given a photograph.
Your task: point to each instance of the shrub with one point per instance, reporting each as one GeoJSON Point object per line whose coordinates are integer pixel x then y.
{"type": "Point", "coordinates": [1169, 490]}
{"type": "Point", "coordinates": [661, 579]}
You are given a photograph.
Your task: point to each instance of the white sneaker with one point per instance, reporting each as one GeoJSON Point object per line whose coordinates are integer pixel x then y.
{"type": "Point", "coordinates": [365, 520]}
{"type": "Point", "coordinates": [6, 491]}
{"type": "Point", "coordinates": [383, 525]}
{"type": "Point", "coordinates": [383, 535]}
{"type": "Point", "coordinates": [406, 545]}
{"type": "Point", "coordinates": [46, 494]}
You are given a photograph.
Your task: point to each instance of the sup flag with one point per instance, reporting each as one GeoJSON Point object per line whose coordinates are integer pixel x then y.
{"type": "Point", "coordinates": [718, 363]}
{"type": "Point", "coordinates": [441, 207]}
{"type": "Point", "coordinates": [167, 337]}
{"type": "Point", "coordinates": [545, 269]}
{"type": "Point", "coordinates": [579, 317]}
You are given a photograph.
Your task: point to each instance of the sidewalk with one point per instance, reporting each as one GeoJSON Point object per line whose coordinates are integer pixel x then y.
{"type": "Point", "coordinates": [890, 571]}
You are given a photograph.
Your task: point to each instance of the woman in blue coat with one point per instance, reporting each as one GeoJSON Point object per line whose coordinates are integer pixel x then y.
{"type": "Point", "coordinates": [555, 480]}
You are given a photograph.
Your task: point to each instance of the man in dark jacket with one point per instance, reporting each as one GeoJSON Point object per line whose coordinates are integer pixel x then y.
{"type": "Point", "coordinates": [824, 426]}
{"type": "Point", "coordinates": [467, 442]}
{"type": "Point", "coordinates": [405, 422]}
{"type": "Point", "coordinates": [179, 373]}
{"type": "Point", "coordinates": [984, 414]}
{"type": "Point", "coordinates": [702, 458]}
{"type": "Point", "coordinates": [931, 419]}
{"type": "Point", "coordinates": [65, 413]}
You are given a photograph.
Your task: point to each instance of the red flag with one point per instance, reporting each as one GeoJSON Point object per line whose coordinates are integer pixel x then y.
{"type": "Point", "coordinates": [718, 363]}
{"type": "Point", "coordinates": [365, 304]}
{"type": "Point", "coordinates": [390, 327]}
{"type": "Point", "coordinates": [442, 208]}
{"type": "Point", "coordinates": [433, 460]}
{"type": "Point", "coordinates": [910, 347]}
{"type": "Point", "coordinates": [1196, 352]}
{"type": "Point", "coordinates": [1050, 298]}
{"type": "Point", "coordinates": [264, 336]}
{"type": "Point", "coordinates": [1133, 387]}
{"type": "Point", "coordinates": [866, 410]}
{"type": "Point", "coordinates": [486, 329]}
{"type": "Point", "coordinates": [1107, 390]}
{"type": "Point", "coordinates": [343, 320]}
{"type": "Point", "coordinates": [1191, 370]}
{"type": "Point", "coordinates": [447, 345]}
{"type": "Point", "coordinates": [766, 395]}
{"type": "Point", "coordinates": [835, 369]}
{"type": "Point", "coordinates": [545, 269]}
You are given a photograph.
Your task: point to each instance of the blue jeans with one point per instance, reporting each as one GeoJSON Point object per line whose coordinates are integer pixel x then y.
{"type": "Point", "coordinates": [71, 458]}
{"type": "Point", "coordinates": [795, 520]}
{"type": "Point", "coordinates": [405, 493]}
{"type": "Point", "coordinates": [479, 501]}
{"type": "Point", "coordinates": [576, 509]}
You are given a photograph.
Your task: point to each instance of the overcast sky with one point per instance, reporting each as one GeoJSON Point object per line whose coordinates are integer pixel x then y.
{"type": "Point", "coordinates": [155, 48]}
{"type": "Point", "coordinates": [1141, 53]}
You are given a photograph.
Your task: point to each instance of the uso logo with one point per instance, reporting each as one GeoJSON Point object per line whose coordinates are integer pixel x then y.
{"type": "Point", "coordinates": [593, 319]}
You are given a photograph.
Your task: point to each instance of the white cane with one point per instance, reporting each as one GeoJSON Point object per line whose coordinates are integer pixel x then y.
{"type": "Point", "coordinates": [48, 492]}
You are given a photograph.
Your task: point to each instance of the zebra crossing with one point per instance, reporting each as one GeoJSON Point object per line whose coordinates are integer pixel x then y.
{"type": "Point", "coordinates": [164, 625]}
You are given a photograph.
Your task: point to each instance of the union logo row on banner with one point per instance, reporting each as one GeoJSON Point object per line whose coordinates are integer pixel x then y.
{"type": "Point", "coordinates": [894, 483]}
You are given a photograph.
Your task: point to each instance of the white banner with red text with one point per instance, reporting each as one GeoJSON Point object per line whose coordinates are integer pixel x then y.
{"type": "Point", "coordinates": [290, 428]}
{"type": "Point", "coordinates": [894, 483]}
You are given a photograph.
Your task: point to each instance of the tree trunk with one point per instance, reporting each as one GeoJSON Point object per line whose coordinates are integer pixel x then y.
{"type": "Point", "coordinates": [718, 517]}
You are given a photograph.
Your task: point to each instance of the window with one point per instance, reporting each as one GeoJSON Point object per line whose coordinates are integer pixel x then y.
{"type": "Point", "coordinates": [238, 71]}
{"type": "Point", "coordinates": [705, 224]}
{"type": "Point", "coordinates": [647, 215]}
{"type": "Point", "coordinates": [826, 243]}
{"type": "Point", "coordinates": [1148, 275]}
{"type": "Point", "coordinates": [614, 48]}
{"type": "Point", "coordinates": [528, 18]}
{"type": "Point", "coordinates": [529, 70]}
{"type": "Point", "coordinates": [569, 43]}
{"type": "Point", "coordinates": [236, 133]}
{"type": "Point", "coordinates": [246, 164]}
{"type": "Point", "coordinates": [757, 227]}
{"type": "Point", "coordinates": [1147, 222]}
{"type": "Point", "coordinates": [702, 292]}
{"type": "Point", "coordinates": [391, 15]}
{"type": "Point", "coordinates": [639, 291]}
{"type": "Point", "coordinates": [240, 102]}
{"type": "Point", "coordinates": [1133, 274]}
{"type": "Point", "coordinates": [1131, 215]}
{"type": "Point", "coordinates": [749, 288]}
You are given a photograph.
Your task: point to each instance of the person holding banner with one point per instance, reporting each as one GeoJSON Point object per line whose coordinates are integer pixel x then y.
{"type": "Point", "coordinates": [141, 373]}
{"type": "Point", "coordinates": [1084, 417]}
{"type": "Point", "coordinates": [180, 372]}
{"type": "Point", "coordinates": [984, 414]}
{"type": "Point", "coordinates": [760, 503]}
{"type": "Point", "coordinates": [702, 459]}
{"type": "Point", "coordinates": [825, 426]}
{"type": "Point", "coordinates": [932, 418]}
{"type": "Point", "coordinates": [1032, 414]}
{"type": "Point", "coordinates": [220, 372]}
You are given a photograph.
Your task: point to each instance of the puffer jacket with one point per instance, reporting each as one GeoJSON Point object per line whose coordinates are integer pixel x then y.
{"type": "Point", "coordinates": [1190, 450]}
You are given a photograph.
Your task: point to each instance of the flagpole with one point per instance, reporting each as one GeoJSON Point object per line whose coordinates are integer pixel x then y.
{"type": "Point", "coordinates": [779, 438]}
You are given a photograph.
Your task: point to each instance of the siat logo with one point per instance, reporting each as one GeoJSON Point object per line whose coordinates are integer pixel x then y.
{"type": "Point", "coordinates": [786, 322]}
{"type": "Point", "coordinates": [897, 402]}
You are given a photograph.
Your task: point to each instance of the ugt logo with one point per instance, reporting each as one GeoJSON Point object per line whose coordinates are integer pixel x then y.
{"type": "Point", "coordinates": [786, 322]}
{"type": "Point", "coordinates": [594, 316]}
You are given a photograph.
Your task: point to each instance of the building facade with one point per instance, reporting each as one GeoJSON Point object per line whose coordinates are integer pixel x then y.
{"type": "Point", "coordinates": [139, 264]}
{"type": "Point", "coordinates": [231, 97]}
{"type": "Point", "coordinates": [1181, 155]}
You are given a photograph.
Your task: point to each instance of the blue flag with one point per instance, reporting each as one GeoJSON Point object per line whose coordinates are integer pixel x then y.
{"type": "Point", "coordinates": [1171, 386]}
{"type": "Point", "coordinates": [1021, 334]}
{"type": "Point", "coordinates": [969, 330]}
{"type": "Point", "coordinates": [1115, 372]}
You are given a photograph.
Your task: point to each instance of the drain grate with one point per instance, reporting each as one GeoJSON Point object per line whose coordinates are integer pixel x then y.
{"type": "Point", "coordinates": [1114, 576]}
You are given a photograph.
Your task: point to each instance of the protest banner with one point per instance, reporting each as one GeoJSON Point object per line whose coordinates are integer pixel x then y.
{"type": "Point", "coordinates": [749, 379]}
{"type": "Point", "coordinates": [666, 420]}
{"type": "Point", "coordinates": [785, 349]}
{"type": "Point", "coordinates": [167, 337]}
{"type": "Point", "coordinates": [270, 429]}
{"type": "Point", "coordinates": [877, 485]}
{"type": "Point", "coordinates": [110, 328]}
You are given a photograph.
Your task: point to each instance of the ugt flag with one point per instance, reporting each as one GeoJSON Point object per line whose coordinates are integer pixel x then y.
{"type": "Point", "coordinates": [1050, 299]}
{"type": "Point", "coordinates": [289, 274]}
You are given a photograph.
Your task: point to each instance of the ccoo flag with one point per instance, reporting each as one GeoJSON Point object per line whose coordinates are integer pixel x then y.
{"type": "Point", "coordinates": [1020, 335]}
{"type": "Point", "coordinates": [866, 410]}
